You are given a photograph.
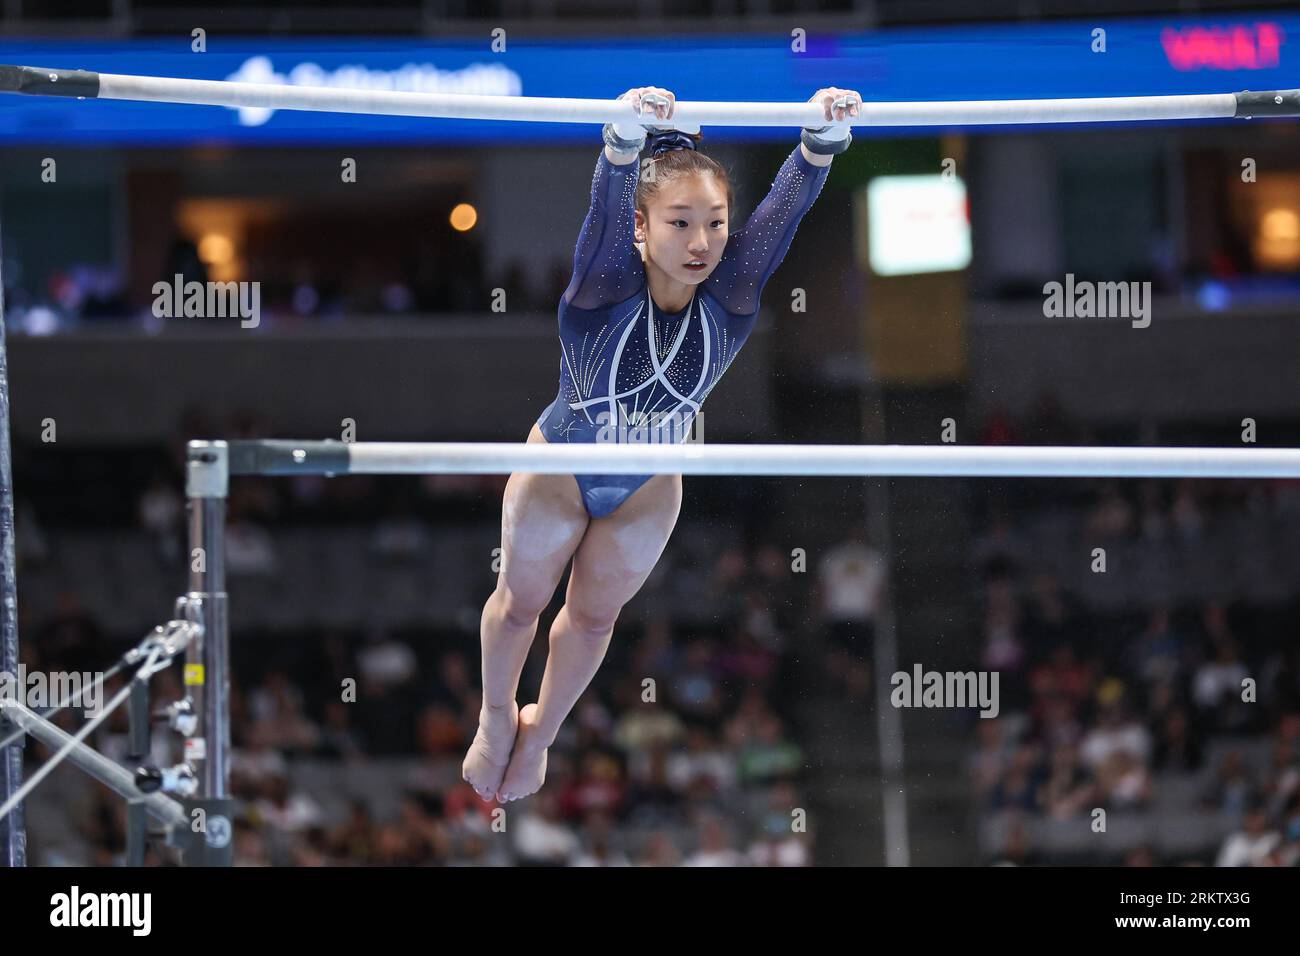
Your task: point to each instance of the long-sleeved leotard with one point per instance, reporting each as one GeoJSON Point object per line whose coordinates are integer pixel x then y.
{"type": "Point", "coordinates": [630, 372]}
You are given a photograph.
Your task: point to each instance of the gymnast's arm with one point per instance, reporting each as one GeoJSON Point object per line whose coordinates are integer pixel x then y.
{"type": "Point", "coordinates": [753, 253]}
{"type": "Point", "coordinates": [607, 266]}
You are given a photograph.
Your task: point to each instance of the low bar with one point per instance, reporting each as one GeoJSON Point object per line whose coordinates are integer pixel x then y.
{"type": "Point", "coordinates": [281, 457]}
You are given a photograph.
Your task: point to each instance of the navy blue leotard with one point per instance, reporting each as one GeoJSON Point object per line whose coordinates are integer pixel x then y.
{"type": "Point", "coordinates": [631, 372]}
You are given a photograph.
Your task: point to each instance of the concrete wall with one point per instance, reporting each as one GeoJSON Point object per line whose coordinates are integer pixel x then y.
{"type": "Point", "coordinates": [482, 378]}
{"type": "Point", "coordinates": [1187, 365]}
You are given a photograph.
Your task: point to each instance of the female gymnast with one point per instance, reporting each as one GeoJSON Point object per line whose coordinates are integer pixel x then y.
{"type": "Point", "coordinates": [661, 300]}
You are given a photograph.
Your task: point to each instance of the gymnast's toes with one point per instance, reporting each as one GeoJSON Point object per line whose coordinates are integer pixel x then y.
{"type": "Point", "coordinates": [527, 768]}
{"type": "Point", "coordinates": [489, 755]}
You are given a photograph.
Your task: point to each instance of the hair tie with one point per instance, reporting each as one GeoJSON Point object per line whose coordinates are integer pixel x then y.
{"type": "Point", "coordinates": [670, 139]}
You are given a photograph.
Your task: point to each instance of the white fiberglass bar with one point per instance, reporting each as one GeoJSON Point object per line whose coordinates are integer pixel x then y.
{"type": "Point", "coordinates": [332, 457]}
{"type": "Point", "coordinates": [554, 110]}
{"type": "Point", "coordinates": [53, 82]}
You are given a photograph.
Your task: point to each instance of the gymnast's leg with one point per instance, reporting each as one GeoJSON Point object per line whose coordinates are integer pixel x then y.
{"type": "Point", "coordinates": [613, 560]}
{"type": "Point", "coordinates": [542, 521]}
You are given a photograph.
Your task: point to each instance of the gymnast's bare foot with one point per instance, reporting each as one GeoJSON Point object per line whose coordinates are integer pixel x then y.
{"type": "Point", "coordinates": [489, 755]}
{"type": "Point", "coordinates": [527, 768]}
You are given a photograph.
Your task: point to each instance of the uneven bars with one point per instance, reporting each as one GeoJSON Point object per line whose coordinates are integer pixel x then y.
{"type": "Point", "coordinates": [280, 457]}
{"type": "Point", "coordinates": [157, 89]}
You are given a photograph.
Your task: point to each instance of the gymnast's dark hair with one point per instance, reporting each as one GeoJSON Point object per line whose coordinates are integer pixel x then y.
{"type": "Point", "coordinates": [674, 155]}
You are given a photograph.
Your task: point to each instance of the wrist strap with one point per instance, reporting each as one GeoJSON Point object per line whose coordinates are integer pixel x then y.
{"type": "Point", "coordinates": [618, 143]}
{"type": "Point", "coordinates": [823, 147]}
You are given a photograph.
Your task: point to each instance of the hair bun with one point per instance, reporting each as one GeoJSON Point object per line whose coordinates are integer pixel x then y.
{"type": "Point", "coordinates": [670, 139]}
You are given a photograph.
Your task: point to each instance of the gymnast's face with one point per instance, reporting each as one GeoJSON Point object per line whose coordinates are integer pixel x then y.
{"type": "Point", "coordinates": [685, 223]}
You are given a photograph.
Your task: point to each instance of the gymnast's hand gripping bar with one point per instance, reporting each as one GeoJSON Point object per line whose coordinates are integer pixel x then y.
{"type": "Point", "coordinates": [113, 86]}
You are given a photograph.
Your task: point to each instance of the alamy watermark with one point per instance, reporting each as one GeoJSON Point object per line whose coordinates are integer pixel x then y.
{"type": "Point", "coordinates": [650, 428]}
{"type": "Point", "coordinates": [1101, 300]}
{"type": "Point", "coordinates": [39, 690]}
{"type": "Point", "coordinates": [133, 911]}
{"type": "Point", "coordinates": [922, 688]}
{"type": "Point", "coordinates": [209, 300]}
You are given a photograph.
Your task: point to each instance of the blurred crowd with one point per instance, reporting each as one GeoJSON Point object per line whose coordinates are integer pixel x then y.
{"type": "Point", "coordinates": [679, 753]}
{"type": "Point", "coordinates": [1170, 692]}
{"type": "Point", "coordinates": [1162, 684]}
{"type": "Point", "coordinates": [289, 292]}
{"type": "Point", "coordinates": [348, 743]}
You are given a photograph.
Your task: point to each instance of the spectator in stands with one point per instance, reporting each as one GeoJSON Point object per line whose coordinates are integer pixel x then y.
{"type": "Point", "coordinates": [1252, 844]}
{"type": "Point", "coordinates": [1017, 848]}
{"type": "Point", "coordinates": [660, 850]}
{"type": "Point", "coordinates": [1115, 730]}
{"type": "Point", "coordinates": [1159, 654]}
{"type": "Point", "coordinates": [161, 511]}
{"type": "Point", "coordinates": [600, 843]}
{"type": "Point", "coordinates": [598, 787]}
{"type": "Point", "coordinates": [1111, 518]}
{"type": "Point", "coordinates": [850, 587]}
{"type": "Point", "coordinates": [338, 738]}
{"type": "Point", "coordinates": [284, 810]}
{"type": "Point", "coordinates": [651, 797]}
{"type": "Point", "coordinates": [1143, 855]}
{"type": "Point", "coordinates": [1218, 687]}
{"type": "Point", "coordinates": [1001, 551]}
{"type": "Point", "coordinates": [1004, 648]}
{"type": "Point", "coordinates": [353, 838]}
{"type": "Point", "coordinates": [1282, 786]}
{"type": "Point", "coordinates": [1052, 616]}
{"type": "Point", "coordinates": [441, 731]}
{"type": "Point", "coordinates": [276, 709]}
{"type": "Point", "coordinates": [714, 845]}
{"type": "Point", "coordinates": [387, 669]}
{"type": "Point", "coordinates": [1177, 745]}
{"type": "Point", "coordinates": [782, 839]}
{"type": "Point", "coordinates": [1232, 789]}
{"type": "Point", "coordinates": [704, 764]}
{"type": "Point", "coordinates": [1123, 782]}
{"type": "Point", "coordinates": [727, 583]}
{"type": "Point", "coordinates": [541, 838]}
{"type": "Point", "coordinates": [250, 549]}
{"type": "Point", "coordinates": [768, 754]}
{"type": "Point", "coordinates": [1020, 785]}
{"type": "Point", "coordinates": [781, 609]}
{"type": "Point", "coordinates": [694, 688]}
{"type": "Point", "coordinates": [989, 761]}
{"type": "Point", "coordinates": [1069, 790]}
{"type": "Point", "coordinates": [250, 847]}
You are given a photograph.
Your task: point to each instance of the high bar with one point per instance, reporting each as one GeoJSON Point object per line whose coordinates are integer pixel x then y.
{"type": "Point", "coordinates": [115, 86]}
{"type": "Point", "coordinates": [282, 457]}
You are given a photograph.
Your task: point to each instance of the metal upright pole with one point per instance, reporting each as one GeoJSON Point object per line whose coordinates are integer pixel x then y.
{"type": "Point", "coordinates": [13, 835]}
{"type": "Point", "coordinates": [207, 660]}
{"type": "Point", "coordinates": [889, 721]}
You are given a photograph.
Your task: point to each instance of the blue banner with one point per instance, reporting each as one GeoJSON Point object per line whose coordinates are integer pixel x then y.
{"type": "Point", "coordinates": [1005, 61]}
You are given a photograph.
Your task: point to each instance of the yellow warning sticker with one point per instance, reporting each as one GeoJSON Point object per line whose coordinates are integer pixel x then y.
{"type": "Point", "coordinates": [194, 674]}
